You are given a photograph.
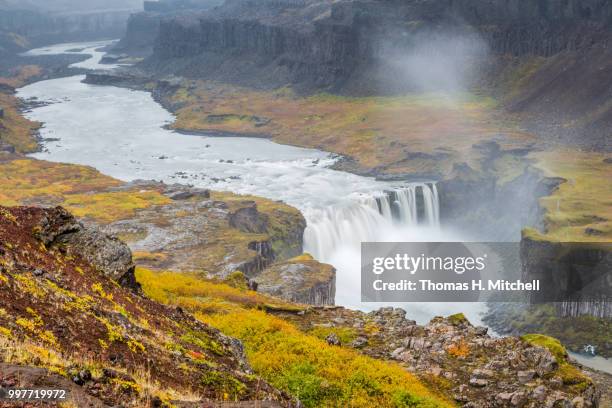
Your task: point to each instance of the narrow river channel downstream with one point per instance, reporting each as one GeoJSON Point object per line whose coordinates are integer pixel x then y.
{"type": "Point", "coordinates": [121, 133]}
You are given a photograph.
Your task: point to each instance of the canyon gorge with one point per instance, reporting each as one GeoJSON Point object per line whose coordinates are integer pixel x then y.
{"type": "Point", "coordinates": [243, 150]}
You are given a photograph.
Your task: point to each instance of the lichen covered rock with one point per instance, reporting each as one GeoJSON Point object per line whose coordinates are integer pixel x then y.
{"type": "Point", "coordinates": [477, 370]}
{"type": "Point", "coordinates": [300, 280]}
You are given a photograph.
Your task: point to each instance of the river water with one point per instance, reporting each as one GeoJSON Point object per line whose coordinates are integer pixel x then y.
{"type": "Point", "coordinates": [121, 133]}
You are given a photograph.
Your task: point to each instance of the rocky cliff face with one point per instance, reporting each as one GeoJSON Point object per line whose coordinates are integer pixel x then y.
{"type": "Point", "coordinates": [481, 199]}
{"type": "Point", "coordinates": [337, 45]}
{"type": "Point", "coordinates": [143, 27]}
{"type": "Point", "coordinates": [23, 29]}
{"type": "Point", "coordinates": [210, 232]}
{"type": "Point", "coordinates": [300, 280]}
{"type": "Point", "coordinates": [578, 276]}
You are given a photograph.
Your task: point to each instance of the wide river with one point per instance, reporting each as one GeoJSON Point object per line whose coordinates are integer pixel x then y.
{"type": "Point", "coordinates": [121, 133]}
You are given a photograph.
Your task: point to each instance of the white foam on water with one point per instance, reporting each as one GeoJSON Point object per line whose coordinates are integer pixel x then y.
{"type": "Point", "coordinates": [121, 133]}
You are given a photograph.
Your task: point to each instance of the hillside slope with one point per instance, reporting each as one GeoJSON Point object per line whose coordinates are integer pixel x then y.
{"type": "Point", "coordinates": [70, 304]}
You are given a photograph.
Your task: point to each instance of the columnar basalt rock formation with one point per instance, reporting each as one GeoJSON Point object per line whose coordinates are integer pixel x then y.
{"type": "Point", "coordinates": [325, 43]}
{"type": "Point", "coordinates": [575, 275]}
{"type": "Point", "coordinates": [375, 48]}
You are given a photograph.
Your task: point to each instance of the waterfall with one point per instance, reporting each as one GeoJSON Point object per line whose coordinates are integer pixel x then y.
{"type": "Point", "coordinates": [368, 217]}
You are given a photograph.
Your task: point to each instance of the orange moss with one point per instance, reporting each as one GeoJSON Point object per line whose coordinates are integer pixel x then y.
{"type": "Point", "coordinates": [20, 75]}
{"type": "Point", "coordinates": [459, 350]}
{"type": "Point", "coordinates": [374, 130]}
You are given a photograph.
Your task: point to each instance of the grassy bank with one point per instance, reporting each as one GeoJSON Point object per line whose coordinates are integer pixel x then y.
{"type": "Point", "coordinates": [303, 365]}
{"type": "Point", "coordinates": [417, 133]}
{"type": "Point", "coordinates": [580, 210]}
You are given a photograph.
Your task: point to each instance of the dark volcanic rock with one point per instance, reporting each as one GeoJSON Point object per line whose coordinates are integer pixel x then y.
{"type": "Point", "coordinates": [576, 275]}
{"type": "Point", "coordinates": [300, 280]}
{"type": "Point", "coordinates": [249, 220]}
{"type": "Point", "coordinates": [58, 228]}
{"type": "Point", "coordinates": [6, 148]}
{"type": "Point", "coordinates": [191, 193]}
{"type": "Point", "coordinates": [143, 27]}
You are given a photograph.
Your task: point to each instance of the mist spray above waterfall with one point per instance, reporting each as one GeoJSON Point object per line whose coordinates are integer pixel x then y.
{"type": "Point", "coordinates": [373, 218]}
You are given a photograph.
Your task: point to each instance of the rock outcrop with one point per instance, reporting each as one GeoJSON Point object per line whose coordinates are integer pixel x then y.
{"type": "Point", "coordinates": [143, 27]}
{"type": "Point", "coordinates": [300, 280]}
{"type": "Point", "coordinates": [210, 232]}
{"type": "Point", "coordinates": [61, 312]}
{"type": "Point", "coordinates": [249, 220]}
{"type": "Point", "coordinates": [477, 370]}
{"type": "Point", "coordinates": [330, 44]}
{"type": "Point", "coordinates": [481, 199]}
{"type": "Point", "coordinates": [578, 276]}
{"type": "Point", "coordinates": [57, 228]}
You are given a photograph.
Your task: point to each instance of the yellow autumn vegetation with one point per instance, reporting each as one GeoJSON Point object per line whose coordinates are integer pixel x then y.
{"type": "Point", "coordinates": [583, 202]}
{"type": "Point", "coordinates": [374, 130]}
{"type": "Point", "coordinates": [307, 367]}
{"type": "Point", "coordinates": [20, 75]}
{"type": "Point", "coordinates": [111, 206]}
{"type": "Point", "coordinates": [192, 291]}
{"type": "Point", "coordinates": [80, 189]}
{"type": "Point", "coordinates": [16, 130]}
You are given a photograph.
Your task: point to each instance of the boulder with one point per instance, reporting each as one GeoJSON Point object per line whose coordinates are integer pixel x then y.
{"type": "Point", "coordinates": [525, 376]}
{"type": "Point", "coordinates": [249, 220]}
{"type": "Point", "coordinates": [7, 148]}
{"type": "Point", "coordinates": [300, 280]}
{"type": "Point", "coordinates": [333, 340]}
{"type": "Point", "coordinates": [58, 228]}
{"type": "Point", "coordinates": [478, 382]}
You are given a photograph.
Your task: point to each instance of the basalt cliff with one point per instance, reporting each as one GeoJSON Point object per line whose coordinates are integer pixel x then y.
{"type": "Point", "coordinates": [366, 47]}
{"type": "Point", "coordinates": [25, 25]}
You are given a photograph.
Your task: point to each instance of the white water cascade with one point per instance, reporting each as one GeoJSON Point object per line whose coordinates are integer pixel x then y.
{"type": "Point", "coordinates": [368, 218]}
{"type": "Point", "coordinates": [122, 133]}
